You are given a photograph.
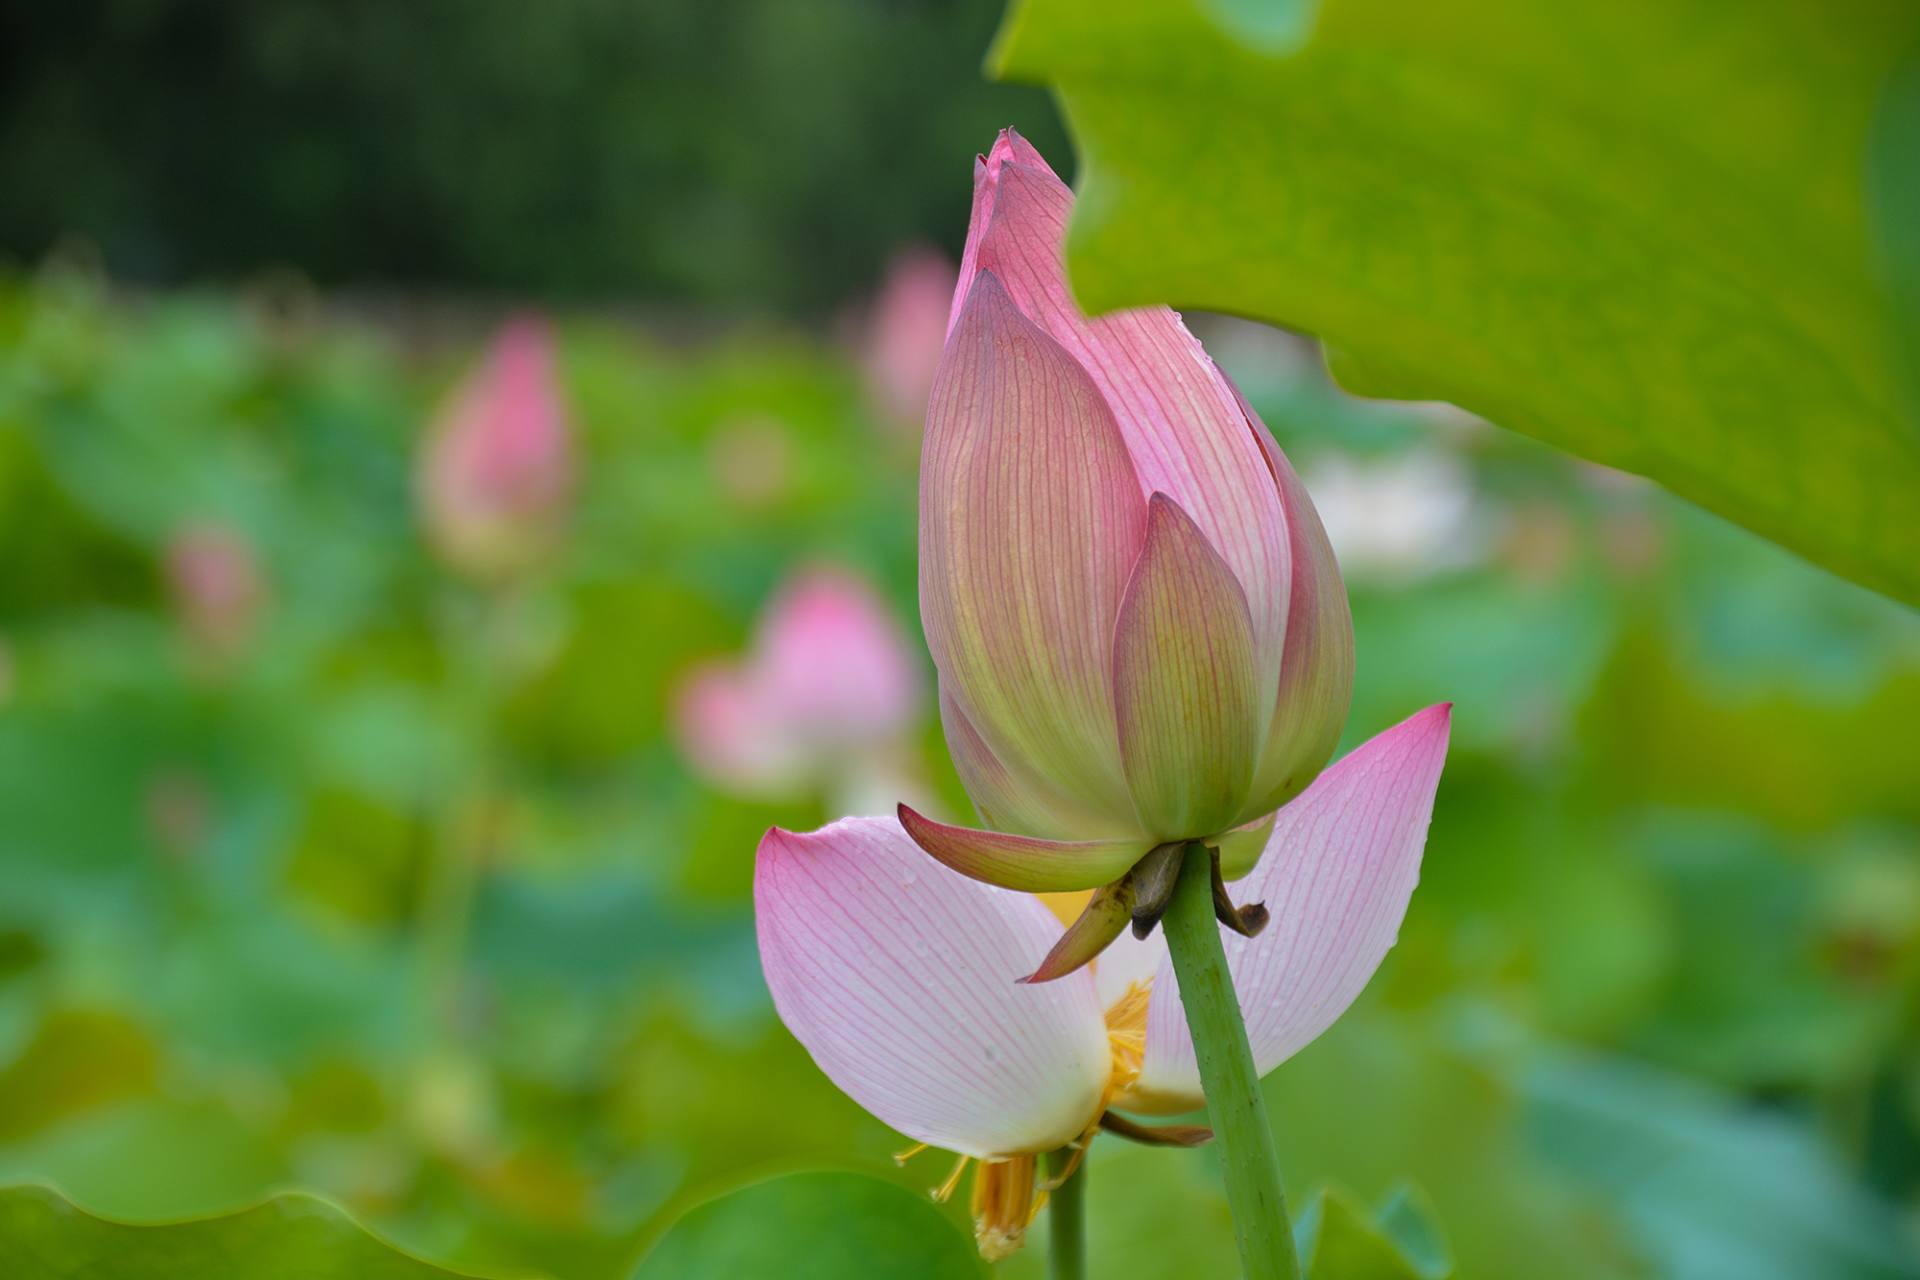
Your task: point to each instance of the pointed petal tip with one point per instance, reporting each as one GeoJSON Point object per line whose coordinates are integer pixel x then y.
{"type": "Point", "coordinates": [1437, 718]}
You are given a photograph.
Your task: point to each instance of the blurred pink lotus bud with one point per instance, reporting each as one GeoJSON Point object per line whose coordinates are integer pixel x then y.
{"type": "Point", "coordinates": [905, 332]}
{"type": "Point", "coordinates": [830, 679]}
{"type": "Point", "coordinates": [497, 469]}
{"type": "Point", "coordinates": [216, 587]}
{"type": "Point", "coordinates": [1139, 628]}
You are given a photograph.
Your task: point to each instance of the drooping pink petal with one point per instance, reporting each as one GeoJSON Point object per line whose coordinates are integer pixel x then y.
{"type": "Point", "coordinates": [1183, 681]}
{"type": "Point", "coordinates": [1026, 863]}
{"type": "Point", "coordinates": [1316, 672]}
{"type": "Point", "coordinates": [1336, 879]}
{"type": "Point", "coordinates": [898, 976]}
{"type": "Point", "coordinates": [1186, 435]}
{"type": "Point", "coordinates": [1030, 520]}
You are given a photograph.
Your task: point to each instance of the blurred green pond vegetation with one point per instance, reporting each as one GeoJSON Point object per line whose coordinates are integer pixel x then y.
{"type": "Point", "coordinates": [396, 888]}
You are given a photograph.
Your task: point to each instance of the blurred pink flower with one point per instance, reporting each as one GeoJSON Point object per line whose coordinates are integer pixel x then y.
{"type": "Point", "coordinates": [215, 583]}
{"type": "Point", "coordinates": [829, 687]}
{"type": "Point", "coordinates": [905, 333]}
{"type": "Point", "coordinates": [497, 469]}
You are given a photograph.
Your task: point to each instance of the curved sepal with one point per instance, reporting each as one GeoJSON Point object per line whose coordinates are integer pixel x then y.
{"type": "Point", "coordinates": [1026, 863]}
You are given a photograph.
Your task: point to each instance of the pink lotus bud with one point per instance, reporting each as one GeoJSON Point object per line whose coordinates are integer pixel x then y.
{"type": "Point", "coordinates": [216, 587]}
{"type": "Point", "coordinates": [1139, 627]}
{"type": "Point", "coordinates": [906, 331]}
{"type": "Point", "coordinates": [830, 680]}
{"type": "Point", "coordinates": [497, 469]}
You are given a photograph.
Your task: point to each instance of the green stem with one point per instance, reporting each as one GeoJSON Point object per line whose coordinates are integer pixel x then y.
{"type": "Point", "coordinates": [1248, 1159]}
{"type": "Point", "coordinates": [1067, 1220]}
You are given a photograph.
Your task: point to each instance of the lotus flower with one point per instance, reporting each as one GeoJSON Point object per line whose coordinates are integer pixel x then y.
{"type": "Point", "coordinates": [1140, 631]}
{"type": "Point", "coordinates": [498, 466]}
{"type": "Point", "coordinates": [897, 975]}
{"type": "Point", "coordinates": [214, 579]}
{"type": "Point", "coordinates": [830, 684]}
{"type": "Point", "coordinates": [905, 332]}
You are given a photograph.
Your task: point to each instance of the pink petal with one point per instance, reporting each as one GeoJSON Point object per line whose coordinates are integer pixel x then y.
{"type": "Point", "coordinates": [1186, 435]}
{"type": "Point", "coordinates": [1030, 520]}
{"type": "Point", "coordinates": [899, 978]}
{"type": "Point", "coordinates": [1337, 876]}
{"type": "Point", "coordinates": [1183, 681]}
{"type": "Point", "coordinates": [1316, 673]}
{"type": "Point", "coordinates": [1026, 863]}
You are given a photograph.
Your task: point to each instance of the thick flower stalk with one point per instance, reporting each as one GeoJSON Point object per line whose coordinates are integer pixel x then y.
{"type": "Point", "coordinates": [1140, 631]}
{"type": "Point", "coordinates": [898, 975]}
{"type": "Point", "coordinates": [496, 473]}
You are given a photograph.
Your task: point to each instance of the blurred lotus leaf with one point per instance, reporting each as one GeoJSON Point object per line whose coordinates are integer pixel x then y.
{"type": "Point", "coordinates": [1710, 1189]}
{"type": "Point", "coordinates": [1640, 232]}
{"type": "Point", "coordinates": [1342, 1239]}
{"type": "Point", "coordinates": [43, 1237]}
{"type": "Point", "coordinates": [813, 1226]}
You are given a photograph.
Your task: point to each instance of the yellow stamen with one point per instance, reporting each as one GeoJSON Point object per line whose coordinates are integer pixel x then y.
{"type": "Point", "coordinates": [944, 1191]}
{"type": "Point", "coordinates": [1127, 1039]}
{"type": "Point", "coordinates": [1004, 1205]}
{"type": "Point", "coordinates": [1127, 1043]}
{"type": "Point", "coordinates": [1007, 1191]}
{"type": "Point", "coordinates": [901, 1157]}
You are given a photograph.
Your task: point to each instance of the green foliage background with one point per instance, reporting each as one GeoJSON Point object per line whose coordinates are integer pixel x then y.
{"type": "Point", "coordinates": [1655, 1011]}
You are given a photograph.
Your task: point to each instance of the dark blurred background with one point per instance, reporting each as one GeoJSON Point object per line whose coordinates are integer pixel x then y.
{"type": "Point", "coordinates": [756, 153]}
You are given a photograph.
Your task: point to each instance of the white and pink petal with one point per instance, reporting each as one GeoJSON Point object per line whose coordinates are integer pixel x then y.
{"type": "Point", "coordinates": [899, 977]}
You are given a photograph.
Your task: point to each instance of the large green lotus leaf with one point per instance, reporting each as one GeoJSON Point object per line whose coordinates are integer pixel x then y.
{"type": "Point", "coordinates": [43, 1237]}
{"type": "Point", "coordinates": [1639, 231]}
{"type": "Point", "coordinates": [813, 1226]}
{"type": "Point", "coordinates": [1710, 1185]}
